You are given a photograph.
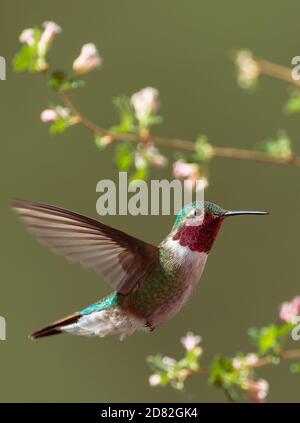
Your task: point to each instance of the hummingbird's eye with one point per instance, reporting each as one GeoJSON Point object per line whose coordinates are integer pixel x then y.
{"type": "Point", "coordinates": [194, 213]}
{"type": "Point", "coordinates": [197, 212]}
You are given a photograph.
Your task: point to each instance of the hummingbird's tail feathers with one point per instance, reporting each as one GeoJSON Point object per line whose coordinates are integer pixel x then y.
{"type": "Point", "coordinates": [55, 328]}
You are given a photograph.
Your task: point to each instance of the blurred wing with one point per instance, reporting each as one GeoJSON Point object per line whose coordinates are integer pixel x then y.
{"type": "Point", "coordinates": [119, 258]}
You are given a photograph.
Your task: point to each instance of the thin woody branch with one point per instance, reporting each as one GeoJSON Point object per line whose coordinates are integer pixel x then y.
{"type": "Point", "coordinates": [264, 361]}
{"type": "Point", "coordinates": [276, 71]}
{"type": "Point", "coordinates": [175, 143]}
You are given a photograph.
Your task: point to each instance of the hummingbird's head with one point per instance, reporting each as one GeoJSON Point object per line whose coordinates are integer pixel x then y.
{"type": "Point", "coordinates": [198, 224]}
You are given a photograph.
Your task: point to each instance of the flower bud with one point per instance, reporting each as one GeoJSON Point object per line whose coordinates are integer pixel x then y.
{"type": "Point", "coordinates": [154, 380]}
{"type": "Point", "coordinates": [237, 363]}
{"type": "Point", "coordinates": [27, 37]}
{"type": "Point", "coordinates": [49, 115]}
{"type": "Point", "coordinates": [182, 169]}
{"type": "Point", "coordinates": [194, 176]}
{"type": "Point", "coordinates": [88, 60]}
{"type": "Point", "coordinates": [258, 390]}
{"type": "Point", "coordinates": [155, 157]}
{"type": "Point", "coordinates": [248, 69]}
{"type": "Point", "coordinates": [251, 359]}
{"type": "Point", "coordinates": [145, 103]}
{"type": "Point", "coordinates": [290, 310]}
{"type": "Point", "coordinates": [51, 29]}
{"type": "Point", "coordinates": [190, 341]}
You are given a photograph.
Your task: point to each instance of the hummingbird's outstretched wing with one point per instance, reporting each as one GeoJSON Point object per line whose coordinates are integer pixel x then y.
{"type": "Point", "coordinates": [121, 259]}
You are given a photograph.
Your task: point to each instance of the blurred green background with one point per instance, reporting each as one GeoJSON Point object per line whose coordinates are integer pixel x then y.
{"type": "Point", "coordinates": [181, 48]}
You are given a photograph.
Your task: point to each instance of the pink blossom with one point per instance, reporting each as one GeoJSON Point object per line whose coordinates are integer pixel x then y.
{"type": "Point", "coordinates": [159, 160]}
{"type": "Point", "coordinates": [290, 310]}
{"type": "Point", "coordinates": [149, 154]}
{"type": "Point", "coordinates": [248, 69]}
{"type": "Point", "coordinates": [27, 36]}
{"type": "Point", "coordinates": [251, 359]}
{"type": "Point", "coordinates": [237, 363]}
{"type": "Point", "coordinates": [145, 103]}
{"type": "Point", "coordinates": [88, 60]}
{"type": "Point", "coordinates": [49, 115]}
{"type": "Point", "coordinates": [140, 161]}
{"type": "Point", "coordinates": [192, 174]}
{"type": "Point", "coordinates": [51, 29]}
{"type": "Point", "coordinates": [154, 380]}
{"type": "Point", "coordinates": [155, 157]}
{"type": "Point", "coordinates": [258, 390]}
{"type": "Point", "coordinates": [190, 341]}
{"type": "Point", "coordinates": [184, 170]}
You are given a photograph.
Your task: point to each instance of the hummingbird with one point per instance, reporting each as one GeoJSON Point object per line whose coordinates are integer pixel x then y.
{"type": "Point", "coordinates": [151, 283]}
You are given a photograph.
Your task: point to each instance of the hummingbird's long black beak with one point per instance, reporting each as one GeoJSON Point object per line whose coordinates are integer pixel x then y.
{"type": "Point", "coordinates": [242, 212]}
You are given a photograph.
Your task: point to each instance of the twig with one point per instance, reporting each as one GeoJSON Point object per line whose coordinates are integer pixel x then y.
{"type": "Point", "coordinates": [261, 362]}
{"type": "Point", "coordinates": [175, 143]}
{"type": "Point", "coordinates": [284, 355]}
{"type": "Point", "coordinates": [276, 71]}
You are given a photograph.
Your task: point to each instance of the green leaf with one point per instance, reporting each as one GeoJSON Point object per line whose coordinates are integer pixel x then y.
{"type": "Point", "coordinates": [295, 368]}
{"type": "Point", "coordinates": [269, 338]}
{"type": "Point", "coordinates": [155, 362]}
{"type": "Point", "coordinates": [140, 174]}
{"type": "Point", "coordinates": [293, 104]}
{"type": "Point", "coordinates": [59, 125]}
{"type": "Point", "coordinates": [124, 156]}
{"type": "Point", "coordinates": [59, 81]}
{"type": "Point", "coordinates": [152, 120]}
{"type": "Point", "coordinates": [220, 369]}
{"type": "Point", "coordinates": [123, 105]}
{"type": "Point", "coordinates": [128, 122]}
{"type": "Point", "coordinates": [26, 59]}
{"type": "Point", "coordinates": [223, 375]}
{"type": "Point", "coordinates": [284, 329]}
{"type": "Point", "coordinates": [101, 142]}
{"type": "Point", "coordinates": [204, 150]}
{"type": "Point", "coordinates": [280, 147]}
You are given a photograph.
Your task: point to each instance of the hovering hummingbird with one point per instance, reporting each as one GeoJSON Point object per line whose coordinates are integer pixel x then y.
{"type": "Point", "coordinates": [151, 284]}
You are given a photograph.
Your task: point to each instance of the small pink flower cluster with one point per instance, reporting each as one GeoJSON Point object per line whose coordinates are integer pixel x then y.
{"type": "Point", "coordinates": [191, 172]}
{"type": "Point", "coordinates": [145, 103]}
{"type": "Point", "coordinates": [248, 69]}
{"type": "Point", "coordinates": [87, 60]}
{"type": "Point", "coordinates": [289, 311]}
{"type": "Point", "coordinates": [52, 115]}
{"type": "Point", "coordinates": [249, 360]}
{"type": "Point", "coordinates": [257, 390]}
{"type": "Point", "coordinates": [51, 29]}
{"type": "Point", "coordinates": [149, 154]}
{"type": "Point", "coordinates": [155, 380]}
{"type": "Point", "coordinates": [191, 342]}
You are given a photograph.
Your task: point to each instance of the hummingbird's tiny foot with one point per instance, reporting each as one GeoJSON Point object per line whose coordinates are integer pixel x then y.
{"type": "Point", "coordinates": [149, 326]}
